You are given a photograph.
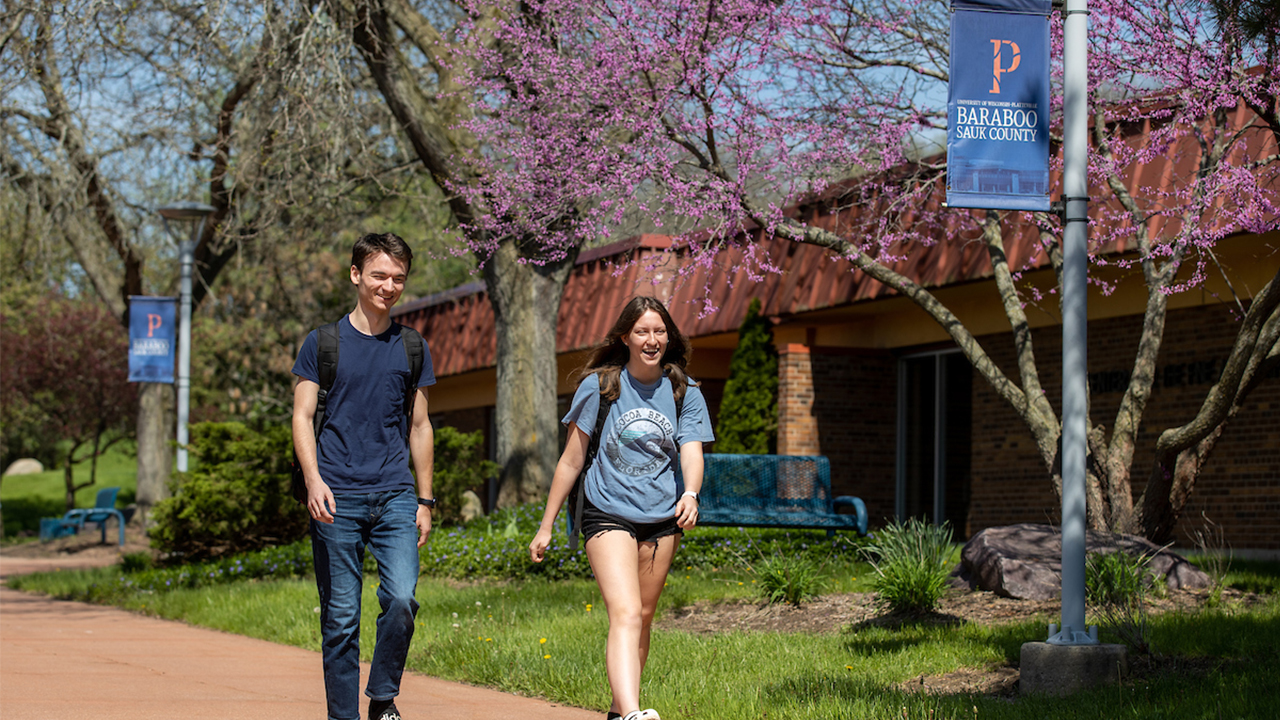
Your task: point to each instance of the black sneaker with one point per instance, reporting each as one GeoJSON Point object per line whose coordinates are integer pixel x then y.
{"type": "Point", "coordinates": [383, 710]}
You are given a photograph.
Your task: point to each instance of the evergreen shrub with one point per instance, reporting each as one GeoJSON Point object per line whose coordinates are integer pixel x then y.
{"type": "Point", "coordinates": [236, 498]}
{"type": "Point", "coordinates": [460, 466]}
{"type": "Point", "coordinates": [748, 421]}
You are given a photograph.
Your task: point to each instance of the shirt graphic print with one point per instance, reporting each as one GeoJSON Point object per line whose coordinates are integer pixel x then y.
{"type": "Point", "coordinates": [640, 442]}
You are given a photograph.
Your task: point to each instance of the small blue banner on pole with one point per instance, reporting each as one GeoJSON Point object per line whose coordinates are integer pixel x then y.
{"type": "Point", "coordinates": [152, 329]}
{"type": "Point", "coordinates": [998, 105]}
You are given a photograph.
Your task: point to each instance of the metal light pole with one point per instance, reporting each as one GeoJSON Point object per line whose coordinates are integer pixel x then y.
{"type": "Point", "coordinates": [1075, 389]}
{"type": "Point", "coordinates": [195, 213]}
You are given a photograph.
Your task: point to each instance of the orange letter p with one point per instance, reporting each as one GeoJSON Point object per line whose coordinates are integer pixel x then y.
{"type": "Point", "coordinates": [997, 70]}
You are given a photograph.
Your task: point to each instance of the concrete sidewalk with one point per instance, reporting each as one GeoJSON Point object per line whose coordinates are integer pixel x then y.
{"type": "Point", "coordinates": [75, 660]}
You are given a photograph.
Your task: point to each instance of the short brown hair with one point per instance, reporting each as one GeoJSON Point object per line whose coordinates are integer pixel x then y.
{"type": "Point", "coordinates": [373, 243]}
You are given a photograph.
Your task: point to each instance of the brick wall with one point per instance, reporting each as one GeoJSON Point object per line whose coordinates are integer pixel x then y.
{"type": "Point", "coordinates": [1239, 487]}
{"type": "Point", "coordinates": [466, 421]}
{"type": "Point", "coordinates": [842, 404]}
{"type": "Point", "coordinates": [797, 425]}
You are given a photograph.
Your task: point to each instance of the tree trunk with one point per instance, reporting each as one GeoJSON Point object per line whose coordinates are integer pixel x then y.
{"type": "Point", "coordinates": [526, 302]}
{"type": "Point", "coordinates": [155, 444]}
{"type": "Point", "coordinates": [1169, 489]}
{"type": "Point", "coordinates": [69, 483]}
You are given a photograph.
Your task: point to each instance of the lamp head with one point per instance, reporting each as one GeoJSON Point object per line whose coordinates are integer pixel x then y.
{"type": "Point", "coordinates": [186, 211]}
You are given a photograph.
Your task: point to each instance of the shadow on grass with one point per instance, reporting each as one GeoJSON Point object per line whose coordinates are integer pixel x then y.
{"type": "Point", "coordinates": [1219, 633]}
{"type": "Point", "coordinates": [844, 690]}
{"type": "Point", "coordinates": [876, 700]}
{"type": "Point", "coordinates": [897, 631]}
{"type": "Point", "coordinates": [1257, 576]}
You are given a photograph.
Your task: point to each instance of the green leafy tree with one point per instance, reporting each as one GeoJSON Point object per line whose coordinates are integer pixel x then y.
{"type": "Point", "coordinates": [749, 410]}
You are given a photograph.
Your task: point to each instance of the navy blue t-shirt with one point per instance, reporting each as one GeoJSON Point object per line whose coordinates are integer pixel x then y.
{"type": "Point", "coordinates": [363, 446]}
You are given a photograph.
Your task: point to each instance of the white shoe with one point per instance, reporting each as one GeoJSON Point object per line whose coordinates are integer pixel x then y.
{"type": "Point", "coordinates": [649, 714]}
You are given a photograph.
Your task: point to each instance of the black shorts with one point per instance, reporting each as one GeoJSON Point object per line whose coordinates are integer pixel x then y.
{"type": "Point", "coordinates": [596, 521]}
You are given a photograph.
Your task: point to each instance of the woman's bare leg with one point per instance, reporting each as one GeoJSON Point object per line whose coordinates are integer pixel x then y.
{"type": "Point", "coordinates": [653, 568]}
{"type": "Point", "coordinates": [613, 555]}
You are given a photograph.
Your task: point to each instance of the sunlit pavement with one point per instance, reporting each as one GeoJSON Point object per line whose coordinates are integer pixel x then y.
{"type": "Point", "coordinates": [75, 660]}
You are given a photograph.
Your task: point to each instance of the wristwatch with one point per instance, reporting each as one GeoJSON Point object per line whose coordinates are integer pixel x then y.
{"type": "Point", "coordinates": [427, 502]}
{"type": "Point", "coordinates": [693, 495]}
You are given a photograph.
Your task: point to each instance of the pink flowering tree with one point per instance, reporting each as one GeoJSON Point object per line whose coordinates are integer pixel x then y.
{"type": "Point", "coordinates": [737, 122]}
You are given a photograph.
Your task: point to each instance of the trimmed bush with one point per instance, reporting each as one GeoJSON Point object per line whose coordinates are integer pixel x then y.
{"type": "Point", "coordinates": [748, 421]}
{"type": "Point", "coordinates": [237, 497]}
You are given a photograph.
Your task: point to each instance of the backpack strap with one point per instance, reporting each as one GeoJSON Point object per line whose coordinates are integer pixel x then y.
{"type": "Point", "coordinates": [327, 366]}
{"type": "Point", "coordinates": [578, 494]}
{"type": "Point", "coordinates": [415, 351]}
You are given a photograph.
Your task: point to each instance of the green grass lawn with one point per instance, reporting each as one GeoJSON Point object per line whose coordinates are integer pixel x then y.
{"type": "Point", "coordinates": [24, 499]}
{"type": "Point", "coordinates": [546, 638]}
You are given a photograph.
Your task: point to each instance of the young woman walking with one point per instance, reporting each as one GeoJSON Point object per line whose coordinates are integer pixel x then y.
{"type": "Point", "coordinates": [641, 490]}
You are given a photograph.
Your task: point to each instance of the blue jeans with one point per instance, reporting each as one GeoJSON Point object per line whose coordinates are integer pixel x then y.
{"type": "Point", "coordinates": [386, 522]}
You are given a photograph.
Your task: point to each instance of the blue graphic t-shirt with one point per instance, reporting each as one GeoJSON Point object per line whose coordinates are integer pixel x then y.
{"type": "Point", "coordinates": [363, 445]}
{"type": "Point", "coordinates": [636, 475]}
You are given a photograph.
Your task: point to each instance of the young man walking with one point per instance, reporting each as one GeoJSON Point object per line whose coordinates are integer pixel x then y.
{"type": "Point", "coordinates": [359, 489]}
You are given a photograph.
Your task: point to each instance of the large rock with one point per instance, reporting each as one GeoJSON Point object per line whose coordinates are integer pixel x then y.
{"type": "Point", "coordinates": [24, 466]}
{"type": "Point", "coordinates": [472, 508]}
{"type": "Point", "coordinates": [1025, 561]}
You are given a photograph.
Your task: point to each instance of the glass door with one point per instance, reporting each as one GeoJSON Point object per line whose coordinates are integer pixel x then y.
{"type": "Point", "coordinates": [934, 442]}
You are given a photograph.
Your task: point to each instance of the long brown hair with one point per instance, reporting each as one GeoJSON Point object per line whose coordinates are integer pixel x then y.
{"type": "Point", "coordinates": [609, 357]}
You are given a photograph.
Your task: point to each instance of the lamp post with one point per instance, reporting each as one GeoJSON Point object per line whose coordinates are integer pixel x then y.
{"type": "Point", "coordinates": [195, 213]}
{"type": "Point", "coordinates": [1075, 320]}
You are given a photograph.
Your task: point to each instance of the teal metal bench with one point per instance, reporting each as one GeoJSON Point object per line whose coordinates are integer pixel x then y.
{"type": "Point", "coordinates": [104, 509]}
{"type": "Point", "coordinates": [780, 491]}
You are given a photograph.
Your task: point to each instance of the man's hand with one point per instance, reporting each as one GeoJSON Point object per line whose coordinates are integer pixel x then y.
{"type": "Point", "coordinates": [320, 502]}
{"type": "Point", "coordinates": [424, 524]}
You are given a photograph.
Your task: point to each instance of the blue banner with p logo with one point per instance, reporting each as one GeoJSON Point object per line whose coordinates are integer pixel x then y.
{"type": "Point", "coordinates": [152, 329]}
{"type": "Point", "coordinates": [998, 105]}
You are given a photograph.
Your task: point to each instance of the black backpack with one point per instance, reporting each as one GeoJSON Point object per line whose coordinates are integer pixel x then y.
{"type": "Point", "coordinates": [327, 364]}
{"type": "Point", "coordinates": [577, 494]}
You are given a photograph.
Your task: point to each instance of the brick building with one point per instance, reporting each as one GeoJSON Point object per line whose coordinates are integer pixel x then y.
{"type": "Point", "coordinates": [872, 382]}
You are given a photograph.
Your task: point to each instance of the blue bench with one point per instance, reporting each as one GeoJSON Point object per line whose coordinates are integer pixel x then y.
{"type": "Point", "coordinates": [779, 491]}
{"type": "Point", "coordinates": [104, 508]}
